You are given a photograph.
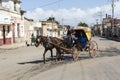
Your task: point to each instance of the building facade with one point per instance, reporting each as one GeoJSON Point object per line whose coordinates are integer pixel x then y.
{"type": "Point", "coordinates": [108, 29]}
{"type": "Point", "coordinates": [50, 28]}
{"type": "Point", "coordinates": [107, 26]}
{"type": "Point", "coordinates": [28, 24]}
{"type": "Point", "coordinates": [11, 22]}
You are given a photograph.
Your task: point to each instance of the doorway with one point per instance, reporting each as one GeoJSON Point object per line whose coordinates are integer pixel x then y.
{"type": "Point", "coordinates": [4, 37]}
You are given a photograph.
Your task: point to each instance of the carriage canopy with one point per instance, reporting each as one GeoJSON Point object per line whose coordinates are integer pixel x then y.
{"type": "Point", "coordinates": [85, 30]}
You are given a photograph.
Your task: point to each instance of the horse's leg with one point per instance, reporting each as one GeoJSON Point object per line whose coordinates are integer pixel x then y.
{"type": "Point", "coordinates": [58, 55]}
{"type": "Point", "coordinates": [51, 53]}
{"type": "Point", "coordinates": [44, 55]}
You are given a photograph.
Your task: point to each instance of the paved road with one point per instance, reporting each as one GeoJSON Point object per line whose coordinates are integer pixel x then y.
{"type": "Point", "coordinates": [26, 64]}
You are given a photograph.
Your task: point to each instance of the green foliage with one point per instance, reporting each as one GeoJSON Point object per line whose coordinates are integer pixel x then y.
{"type": "Point", "coordinates": [51, 19]}
{"type": "Point", "coordinates": [82, 24]}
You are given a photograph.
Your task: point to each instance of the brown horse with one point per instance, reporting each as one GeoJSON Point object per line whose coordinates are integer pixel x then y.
{"type": "Point", "coordinates": [46, 42]}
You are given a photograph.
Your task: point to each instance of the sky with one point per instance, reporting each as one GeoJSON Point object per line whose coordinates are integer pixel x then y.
{"type": "Point", "coordinates": [70, 12]}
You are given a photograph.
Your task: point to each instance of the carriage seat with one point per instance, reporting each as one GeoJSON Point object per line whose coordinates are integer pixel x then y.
{"type": "Point", "coordinates": [67, 39]}
{"type": "Point", "coordinates": [83, 40]}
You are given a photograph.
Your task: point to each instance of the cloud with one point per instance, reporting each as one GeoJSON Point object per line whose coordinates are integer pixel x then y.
{"type": "Point", "coordinates": [74, 15]}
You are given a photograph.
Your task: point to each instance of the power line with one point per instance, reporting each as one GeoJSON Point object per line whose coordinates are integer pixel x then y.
{"type": "Point", "coordinates": [52, 3]}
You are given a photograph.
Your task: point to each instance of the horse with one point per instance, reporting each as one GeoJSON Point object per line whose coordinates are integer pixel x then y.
{"type": "Point", "coordinates": [44, 40]}
{"type": "Point", "coordinates": [47, 44]}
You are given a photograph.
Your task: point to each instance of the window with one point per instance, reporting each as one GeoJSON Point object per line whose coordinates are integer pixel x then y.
{"type": "Point", "coordinates": [18, 30]}
{"type": "Point", "coordinates": [8, 29]}
{"type": "Point", "coordinates": [15, 6]}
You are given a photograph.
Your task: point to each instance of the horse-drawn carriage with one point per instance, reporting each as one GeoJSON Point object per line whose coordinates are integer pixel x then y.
{"type": "Point", "coordinates": [83, 35]}
{"type": "Point", "coordinates": [82, 42]}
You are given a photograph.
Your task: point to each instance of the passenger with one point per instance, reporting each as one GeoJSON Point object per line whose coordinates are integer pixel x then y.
{"type": "Point", "coordinates": [83, 39]}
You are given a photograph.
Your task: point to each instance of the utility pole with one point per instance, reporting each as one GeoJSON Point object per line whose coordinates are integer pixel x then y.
{"type": "Point", "coordinates": [112, 24]}
{"type": "Point", "coordinates": [63, 30]}
{"type": "Point", "coordinates": [113, 16]}
{"type": "Point", "coordinates": [97, 27]}
{"type": "Point", "coordinates": [100, 15]}
{"type": "Point", "coordinates": [52, 26]}
{"type": "Point", "coordinates": [101, 25]}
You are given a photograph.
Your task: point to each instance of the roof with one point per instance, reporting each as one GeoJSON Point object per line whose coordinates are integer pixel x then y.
{"type": "Point", "coordinates": [86, 29]}
{"type": "Point", "coordinates": [50, 22]}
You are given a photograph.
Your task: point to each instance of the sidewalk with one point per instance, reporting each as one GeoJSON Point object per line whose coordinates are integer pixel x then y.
{"type": "Point", "coordinates": [12, 46]}
{"type": "Point", "coordinates": [112, 38]}
{"type": "Point", "coordinates": [115, 39]}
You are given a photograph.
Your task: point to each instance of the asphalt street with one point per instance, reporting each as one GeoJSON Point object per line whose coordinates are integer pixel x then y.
{"type": "Point", "coordinates": [26, 63]}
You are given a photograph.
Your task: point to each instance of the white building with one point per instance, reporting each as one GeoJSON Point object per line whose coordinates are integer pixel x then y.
{"type": "Point", "coordinates": [32, 27]}
{"type": "Point", "coordinates": [11, 22]}
{"type": "Point", "coordinates": [37, 28]}
{"type": "Point", "coordinates": [50, 28]}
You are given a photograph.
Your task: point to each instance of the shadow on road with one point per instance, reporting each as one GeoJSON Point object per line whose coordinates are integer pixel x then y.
{"type": "Point", "coordinates": [66, 59]}
{"type": "Point", "coordinates": [32, 62]}
{"type": "Point", "coordinates": [109, 52]}
{"type": "Point", "coordinates": [36, 61]}
{"type": "Point", "coordinates": [112, 51]}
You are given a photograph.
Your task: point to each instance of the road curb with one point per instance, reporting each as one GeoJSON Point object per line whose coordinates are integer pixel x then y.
{"type": "Point", "coordinates": [12, 48]}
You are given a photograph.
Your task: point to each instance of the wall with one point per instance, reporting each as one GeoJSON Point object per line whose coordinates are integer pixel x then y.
{"type": "Point", "coordinates": [28, 29]}
{"type": "Point", "coordinates": [5, 29]}
{"type": "Point", "coordinates": [50, 29]}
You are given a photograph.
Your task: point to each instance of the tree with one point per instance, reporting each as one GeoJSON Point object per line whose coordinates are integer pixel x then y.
{"type": "Point", "coordinates": [51, 19]}
{"type": "Point", "coordinates": [82, 24]}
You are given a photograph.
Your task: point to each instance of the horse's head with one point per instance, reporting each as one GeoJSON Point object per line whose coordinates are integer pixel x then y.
{"type": "Point", "coordinates": [38, 41]}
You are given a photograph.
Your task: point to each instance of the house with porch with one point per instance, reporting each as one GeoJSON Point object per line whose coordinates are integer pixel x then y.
{"type": "Point", "coordinates": [11, 22]}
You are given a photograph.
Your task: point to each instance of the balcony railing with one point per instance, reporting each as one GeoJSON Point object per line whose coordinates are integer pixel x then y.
{"type": "Point", "coordinates": [8, 10]}
{"type": "Point", "coordinates": [4, 8]}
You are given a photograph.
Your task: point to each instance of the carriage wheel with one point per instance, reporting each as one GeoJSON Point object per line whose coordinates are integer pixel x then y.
{"type": "Point", "coordinates": [93, 49]}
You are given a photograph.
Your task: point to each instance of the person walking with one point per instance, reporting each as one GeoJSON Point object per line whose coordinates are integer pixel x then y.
{"type": "Point", "coordinates": [32, 39]}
